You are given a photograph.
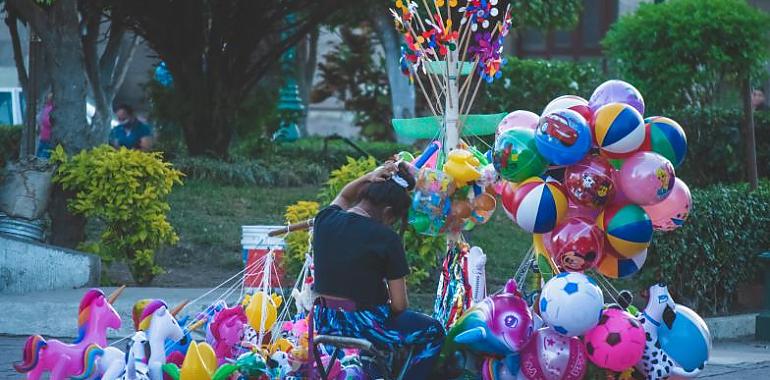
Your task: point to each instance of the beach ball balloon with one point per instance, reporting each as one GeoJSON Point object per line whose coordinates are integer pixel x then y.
{"type": "Point", "coordinates": [687, 341]}
{"type": "Point", "coordinates": [616, 91]}
{"type": "Point", "coordinates": [617, 342]}
{"type": "Point", "coordinates": [518, 119]}
{"type": "Point", "coordinates": [590, 182]}
{"type": "Point", "coordinates": [571, 303]}
{"type": "Point", "coordinates": [563, 137]}
{"type": "Point", "coordinates": [569, 102]}
{"type": "Point", "coordinates": [646, 178]}
{"type": "Point", "coordinates": [576, 244]}
{"type": "Point", "coordinates": [613, 265]}
{"type": "Point", "coordinates": [618, 130]}
{"type": "Point", "coordinates": [666, 137]}
{"type": "Point", "coordinates": [552, 356]}
{"type": "Point", "coordinates": [671, 213]}
{"type": "Point", "coordinates": [627, 228]}
{"type": "Point", "coordinates": [536, 205]}
{"type": "Point", "coordinates": [515, 155]}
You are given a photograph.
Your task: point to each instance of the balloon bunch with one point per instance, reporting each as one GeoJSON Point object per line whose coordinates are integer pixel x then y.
{"type": "Point", "coordinates": [593, 178]}
{"type": "Point", "coordinates": [454, 193]}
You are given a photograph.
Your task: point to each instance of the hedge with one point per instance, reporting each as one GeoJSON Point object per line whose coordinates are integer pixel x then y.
{"type": "Point", "coordinates": [716, 250]}
{"type": "Point", "coordinates": [10, 137]}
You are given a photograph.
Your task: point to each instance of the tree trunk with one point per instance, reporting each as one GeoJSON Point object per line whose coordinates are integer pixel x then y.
{"type": "Point", "coordinates": [307, 58]}
{"type": "Point", "coordinates": [402, 93]}
{"type": "Point", "coordinates": [750, 146]}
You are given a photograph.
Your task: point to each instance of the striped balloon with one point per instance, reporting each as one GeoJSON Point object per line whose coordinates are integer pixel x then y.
{"type": "Point", "coordinates": [536, 205]}
{"type": "Point", "coordinates": [628, 229]}
{"type": "Point", "coordinates": [569, 102]}
{"type": "Point", "coordinates": [619, 267]}
{"type": "Point", "coordinates": [618, 130]}
{"type": "Point", "coordinates": [667, 138]}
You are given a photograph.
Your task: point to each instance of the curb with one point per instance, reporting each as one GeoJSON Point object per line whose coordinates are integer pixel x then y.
{"type": "Point", "coordinates": [732, 326]}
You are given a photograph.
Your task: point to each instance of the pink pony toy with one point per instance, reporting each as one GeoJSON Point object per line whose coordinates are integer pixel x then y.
{"type": "Point", "coordinates": [227, 329]}
{"type": "Point", "coordinates": [77, 360]}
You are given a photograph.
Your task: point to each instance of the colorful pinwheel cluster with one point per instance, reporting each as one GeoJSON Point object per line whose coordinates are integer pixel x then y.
{"type": "Point", "coordinates": [488, 50]}
{"type": "Point", "coordinates": [479, 13]}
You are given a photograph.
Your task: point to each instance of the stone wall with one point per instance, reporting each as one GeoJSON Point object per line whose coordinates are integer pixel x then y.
{"type": "Point", "coordinates": [27, 266]}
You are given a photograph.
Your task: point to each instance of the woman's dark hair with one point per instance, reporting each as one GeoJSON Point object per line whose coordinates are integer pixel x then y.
{"type": "Point", "coordinates": [125, 107]}
{"type": "Point", "coordinates": [390, 193]}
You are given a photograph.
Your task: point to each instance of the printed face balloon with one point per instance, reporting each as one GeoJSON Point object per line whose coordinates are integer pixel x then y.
{"type": "Point", "coordinates": [590, 182]}
{"type": "Point", "coordinates": [576, 244]}
{"type": "Point", "coordinates": [647, 178]}
{"type": "Point", "coordinates": [671, 213]}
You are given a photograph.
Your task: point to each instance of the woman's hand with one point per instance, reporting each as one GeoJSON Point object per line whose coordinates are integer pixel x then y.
{"type": "Point", "coordinates": [349, 194]}
{"type": "Point", "coordinates": [383, 172]}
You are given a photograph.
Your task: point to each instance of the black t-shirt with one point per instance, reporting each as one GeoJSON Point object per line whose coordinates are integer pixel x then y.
{"type": "Point", "coordinates": [354, 255]}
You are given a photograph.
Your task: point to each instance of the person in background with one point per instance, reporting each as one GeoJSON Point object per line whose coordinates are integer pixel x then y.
{"type": "Point", "coordinates": [758, 100]}
{"type": "Point", "coordinates": [360, 264]}
{"type": "Point", "coordinates": [130, 133]}
{"type": "Point", "coordinates": [44, 124]}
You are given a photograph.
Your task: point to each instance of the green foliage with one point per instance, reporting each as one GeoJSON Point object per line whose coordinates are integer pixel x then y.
{"type": "Point", "coordinates": [545, 14]}
{"type": "Point", "coordinates": [126, 190]}
{"type": "Point", "coordinates": [353, 72]}
{"type": "Point", "coordinates": [297, 243]}
{"type": "Point", "coordinates": [715, 145]}
{"type": "Point", "coordinates": [344, 175]}
{"type": "Point", "coordinates": [716, 250]}
{"type": "Point", "coordinates": [274, 172]}
{"type": "Point", "coordinates": [529, 84]}
{"type": "Point", "coordinates": [10, 137]}
{"type": "Point", "coordinates": [682, 52]}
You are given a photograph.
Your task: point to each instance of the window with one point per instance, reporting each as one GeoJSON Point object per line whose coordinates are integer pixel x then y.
{"type": "Point", "coordinates": [6, 108]}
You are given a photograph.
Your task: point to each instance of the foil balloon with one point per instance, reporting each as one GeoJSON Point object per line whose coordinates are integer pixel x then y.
{"type": "Point", "coordinates": [576, 244]}
{"type": "Point", "coordinates": [569, 102]}
{"type": "Point", "coordinates": [498, 325]}
{"type": "Point", "coordinates": [647, 178]}
{"type": "Point", "coordinates": [552, 356]}
{"type": "Point", "coordinates": [616, 91]}
{"type": "Point", "coordinates": [590, 182]}
{"type": "Point", "coordinates": [500, 369]}
{"type": "Point", "coordinates": [671, 213]}
{"type": "Point", "coordinates": [517, 119]}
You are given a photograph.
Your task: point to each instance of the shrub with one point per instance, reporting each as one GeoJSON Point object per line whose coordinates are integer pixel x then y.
{"type": "Point", "coordinates": [10, 137]}
{"type": "Point", "coordinates": [297, 243]}
{"type": "Point", "coordinates": [682, 52]}
{"type": "Point", "coordinates": [344, 175]}
{"type": "Point", "coordinates": [716, 249]}
{"type": "Point", "coordinates": [715, 145]}
{"type": "Point", "coordinates": [253, 172]}
{"type": "Point", "coordinates": [126, 190]}
{"type": "Point", "coordinates": [529, 84]}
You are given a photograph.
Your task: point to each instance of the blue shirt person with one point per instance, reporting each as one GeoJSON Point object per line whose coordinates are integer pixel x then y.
{"type": "Point", "coordinates": [130, 133]}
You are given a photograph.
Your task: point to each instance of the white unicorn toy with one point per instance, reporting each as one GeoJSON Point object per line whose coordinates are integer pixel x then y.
{"type": "Point", "coordinates": [655, 363]}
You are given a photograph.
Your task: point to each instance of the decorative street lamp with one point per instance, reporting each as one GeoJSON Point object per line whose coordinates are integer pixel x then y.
{"type": "Point", "coordinates": [290, 107]}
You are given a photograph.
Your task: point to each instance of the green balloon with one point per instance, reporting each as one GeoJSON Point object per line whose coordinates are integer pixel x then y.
{"type": "Point", "coordinates": [515, 155]}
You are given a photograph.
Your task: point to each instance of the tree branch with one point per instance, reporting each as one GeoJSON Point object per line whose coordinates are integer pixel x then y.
{"type": "Point", "coordinates": [18, 55]}
{"type": "Point", "coordinates": [127, 50]}
{"type": "Point", "coordinates": [33, 14]}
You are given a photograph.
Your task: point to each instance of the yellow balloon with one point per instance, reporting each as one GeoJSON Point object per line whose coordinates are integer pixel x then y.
{"type": "Point", "coordinates": [257, 303]}
{"type": "Point", "coordinates": [200, 362]}
{"type": "Point", "coordinates": [462, 166]}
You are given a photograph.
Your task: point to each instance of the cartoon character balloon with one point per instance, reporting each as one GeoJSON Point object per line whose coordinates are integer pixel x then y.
{"type": "Point", "coordinates": [590, 182]}
{"type": "Point", "coordinates": [552, 356]}
{"type": "Point", "coordinates": [671, 213]}
{"type": "Point", "coordinates": [515, 155]}
{"type": "Point", "coordinates": [563, 137]}
{"type": "Point", "coordinates": [647, 178]}
{"type": "Point", "coordinates": [576, 244]}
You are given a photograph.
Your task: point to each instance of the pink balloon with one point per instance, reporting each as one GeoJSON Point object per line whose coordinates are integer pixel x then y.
{"type": "Point", "coordinates": [552, 356]}
{"type": "Point", "coordinates": [518, 119]}
{"type": "Point", "coordinates": [576, 245]}
{"type": "Point", "coordinates": [670, 213]}
{"type": "Point", "coordinates": [647, 178]}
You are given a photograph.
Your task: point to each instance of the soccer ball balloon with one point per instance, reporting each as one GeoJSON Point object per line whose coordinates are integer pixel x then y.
{"type": "Point", "coordinates": [617, 342]}
{"type": "Point", "coordinates": [571, 303]}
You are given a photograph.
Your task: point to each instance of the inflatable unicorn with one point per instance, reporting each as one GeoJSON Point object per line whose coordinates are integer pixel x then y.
{"type": "Point", "coordinates": [660, 312]}
{"type": "Point", "coordinates": [76, 360]}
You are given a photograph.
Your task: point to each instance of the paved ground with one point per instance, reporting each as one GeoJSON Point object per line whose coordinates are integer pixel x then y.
{"type": "Point", "coordinates": [731, 360]}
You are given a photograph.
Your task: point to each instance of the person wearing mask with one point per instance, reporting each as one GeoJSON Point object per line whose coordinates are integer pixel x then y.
{"type": "Point", "coordinates": [130, 133]}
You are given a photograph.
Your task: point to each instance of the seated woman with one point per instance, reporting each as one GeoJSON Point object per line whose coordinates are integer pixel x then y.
{"type": "Point", "coordinates": [360, 260]}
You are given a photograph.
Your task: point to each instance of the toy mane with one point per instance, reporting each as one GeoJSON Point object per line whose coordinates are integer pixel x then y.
{"type": "Point", "coordinates": [142, 313]}
{"type": "Point", "coordinates": [84, 312]}
{"type": "Point", "coordinates": [224, 315]}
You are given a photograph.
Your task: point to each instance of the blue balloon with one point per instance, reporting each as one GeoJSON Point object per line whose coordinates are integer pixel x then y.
{"type": "Point", "coordinates": [688, 341]}
{"type": "Point", "coordinates": [563, 137]}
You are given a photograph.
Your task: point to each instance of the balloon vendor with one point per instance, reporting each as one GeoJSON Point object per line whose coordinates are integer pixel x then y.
{"type": "Point", "coordinates": [361, 268]}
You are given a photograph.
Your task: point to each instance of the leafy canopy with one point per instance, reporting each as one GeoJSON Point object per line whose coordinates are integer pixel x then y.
{"type": "Point", "coordinates": [680, 52]}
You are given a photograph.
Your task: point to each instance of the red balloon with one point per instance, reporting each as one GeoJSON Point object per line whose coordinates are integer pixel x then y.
{"type": "Point", "coordinates": [590, 182]}
{"type": "Point", "coordinates": [576, 245]}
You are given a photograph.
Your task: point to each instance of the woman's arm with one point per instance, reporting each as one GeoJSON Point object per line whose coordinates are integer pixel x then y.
{"type": "Point", "coordinates": [349, 194]}
{"type": "Point", "coordinates": [399, 301]}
